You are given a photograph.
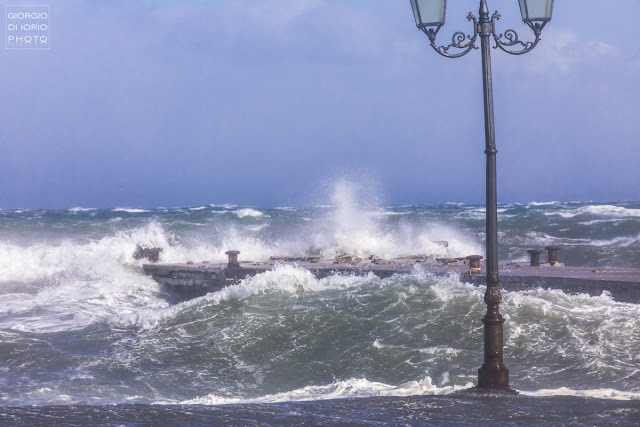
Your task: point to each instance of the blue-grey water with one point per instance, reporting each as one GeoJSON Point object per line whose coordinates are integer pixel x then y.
{"type": "Point", "coordinates": [86, 337]}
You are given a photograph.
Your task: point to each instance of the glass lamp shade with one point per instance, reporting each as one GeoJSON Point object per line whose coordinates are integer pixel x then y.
{"type": "Point", "coordinates": [429, 13]}
{"type": "Point", "coordinates": [536, 10]}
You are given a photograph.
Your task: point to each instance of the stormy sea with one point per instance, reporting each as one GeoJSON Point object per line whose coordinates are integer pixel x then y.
{"type": "Point", "coordinates": [87, 339]}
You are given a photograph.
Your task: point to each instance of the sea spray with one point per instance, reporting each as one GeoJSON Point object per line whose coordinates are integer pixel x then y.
{"type": "Point", "coordinates": [80, 323]}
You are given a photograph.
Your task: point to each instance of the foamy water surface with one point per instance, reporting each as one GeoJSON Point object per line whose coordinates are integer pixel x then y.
{"type": "Point", "coordinates": [79, 322]}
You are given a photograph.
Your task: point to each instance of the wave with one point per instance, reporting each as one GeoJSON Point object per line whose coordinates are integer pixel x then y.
{"type": "Point", "coordinates": [241, 213]}
{"type": "Point", "coordinates": [552, 203]}
{"type": "Point", "coordinates": [541, 238]}
{"type": "Point", "coordinates": [130, 210]}
{"type": "Point", "coordinates": [408, 326]}
{"type": "Point", "coordinates": [225, 206]}
{"type": "Point", "coordinates": [601, 393]}
{"type": "Point", "coordinates": [382, 213]}
{"type": "Point", "coordinates": [283, 279]}
{"type": "Point", "coordinates": [598, 210]}
{"type": "Point", "coordinates": [361, 388]}
{"type": "Point", "coordinates": [347, 389]}
{"type": "Point", "coordinates": [72, 285]}
{"type": "Point", "coordinates": [600, 221]}
{"type": "Point", "coordinates": [609, 210]}
{"type": "Point", "coordinates": [617, 241]}
{"type": "Point", "coordinates": [79, 209]}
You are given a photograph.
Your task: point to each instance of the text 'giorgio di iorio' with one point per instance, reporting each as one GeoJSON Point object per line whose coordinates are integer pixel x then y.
{"type": "Point", "coordinates": [28, 27]}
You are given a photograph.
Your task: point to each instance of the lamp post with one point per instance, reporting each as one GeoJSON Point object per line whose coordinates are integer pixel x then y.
{"type": "Point", "coordinates": [430, 17]}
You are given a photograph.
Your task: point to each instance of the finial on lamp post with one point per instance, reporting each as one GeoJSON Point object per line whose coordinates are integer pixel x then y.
{"type": "Point", "coordinates": [484, 9]}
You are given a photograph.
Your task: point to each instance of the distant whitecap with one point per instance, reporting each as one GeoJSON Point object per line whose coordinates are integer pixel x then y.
{"type": "Point", "coordinates": [130, 210]}
{"type": "Point", "coordinates": [241, 213]}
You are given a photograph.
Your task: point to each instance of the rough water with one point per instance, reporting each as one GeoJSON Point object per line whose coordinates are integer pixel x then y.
{"type": "Point", "coordinates": [81, 328]}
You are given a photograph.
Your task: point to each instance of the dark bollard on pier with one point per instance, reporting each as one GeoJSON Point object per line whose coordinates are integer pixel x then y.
{"type": "Point", "coordinates": [474, 263]}
{"type": "Point", "coordinates": [535, 257]}
{"type": "Point", "coordinates": [151, 254]}
{"type": "Point", "coordinates": [233, 259]}
{"type": "Point", "coordinates": [552, 254]}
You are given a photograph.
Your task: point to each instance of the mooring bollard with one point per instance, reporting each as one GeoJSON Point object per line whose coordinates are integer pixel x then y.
{"type": "Point", "coordinates": [535, 257]}
{"type": "Point", "coordinates": [151, 254]}
{"type": "Point", "coordinates": [233, 259]}
{"type": "Point", "coordinates": [552, 254]}
{"type": "Point", "coordinates": [474, 263]}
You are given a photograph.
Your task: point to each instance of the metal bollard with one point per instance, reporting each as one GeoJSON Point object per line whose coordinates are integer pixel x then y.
{"type": "Point", "coordinates": [233, 259]}
{"type": "Point", "coordinates": [535, 257]}
{"type": "Point", "coordinates": [552, 254]}
{"type": "Point", "coordinates": [474, 263]}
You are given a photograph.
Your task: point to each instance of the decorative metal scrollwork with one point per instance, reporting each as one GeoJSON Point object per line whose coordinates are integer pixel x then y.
{"type": "Point", "coordinates": [464, 43]}
{"type": "Point", "coordinates": [510, 37]}
{"type": "Point", "coordinates": [459, 40]}
{"type": "Point", "coordinates": [492, 295]}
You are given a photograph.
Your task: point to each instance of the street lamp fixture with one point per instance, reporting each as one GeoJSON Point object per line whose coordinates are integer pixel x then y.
{"type": "Point", "coordinates": [536, 10]}
{"type": "Point", "coordinates": [430, 17]}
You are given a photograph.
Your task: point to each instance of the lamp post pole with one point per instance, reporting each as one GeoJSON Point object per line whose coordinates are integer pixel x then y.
{"type": "Point", "coordinates": [493, 375]}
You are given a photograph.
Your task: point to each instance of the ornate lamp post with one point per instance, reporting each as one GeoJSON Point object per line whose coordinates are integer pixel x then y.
{"type": "Point", "coordinates": [430, 17]}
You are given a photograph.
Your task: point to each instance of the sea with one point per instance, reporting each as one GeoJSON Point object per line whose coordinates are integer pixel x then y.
{"type": "Point", "coordinates": [87, 339]}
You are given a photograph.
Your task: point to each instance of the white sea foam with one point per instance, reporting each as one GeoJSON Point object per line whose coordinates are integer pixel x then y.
{"type": "Point", "coordinates": [609, 210]}
{"type": "Point", "coordinates": [130, 210]}
{"type": "Point", "coordinates": [617, 241]}
{"type": "Point", "coordinates": [292, 280]}
{"type": "Point", "coordinates": [351, 388]}
{"type": "Point", "coordinates": [349, 226]}
{"type": "Point", "coordinates": [284, 279]}
{"type": "Point", "coordinates": [536, 237]}
{"type": "Point", "coordinates": [599, 210]}
{"type": "Point", "coordinates": [542, 203]}
{"type": "Point", "coordinates": [241, 213]}
{"type": "Point", "coordinates": [339, 390]}
{"type": "Point", "coordinates": [354, 226]}
{"type": "Point", "coordinates": [600, 221]}
{"type": "Point", "coordinates": [199, 208]}
{"type": "Point", "coordinates": [602, 393]}
{"type": "Point", "coordinates": [79, 209]}
{"type": "Point", "coordinates": [43, 261]}
{"type": "Point", "coordinates": [584, 333]}
{"type": "Point", "coordinates": [359, 388]}
{"type": "Point", "coordinates": [383, 213]}
{"type": "Point", "coordinates": [71, 285]}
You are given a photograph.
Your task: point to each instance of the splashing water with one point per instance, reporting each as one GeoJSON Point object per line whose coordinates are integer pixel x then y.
{"type": "Point", "coordinates": [79, 322]}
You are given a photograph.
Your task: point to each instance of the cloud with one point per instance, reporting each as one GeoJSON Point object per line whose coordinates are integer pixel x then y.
{"type": "Point", "coordinates": [564, 51]}
{"type": "Point", "coordinates": [277, 13]}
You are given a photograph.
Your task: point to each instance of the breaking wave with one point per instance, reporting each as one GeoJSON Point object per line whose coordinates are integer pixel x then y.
{"type": "Point", "coordinates": [130, 210]}
{"type": "Point", "coordinates": [80, 322]}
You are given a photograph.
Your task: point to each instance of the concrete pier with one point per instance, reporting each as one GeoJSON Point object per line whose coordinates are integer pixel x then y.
{"type": "Point", "coordinates": [195, 279]}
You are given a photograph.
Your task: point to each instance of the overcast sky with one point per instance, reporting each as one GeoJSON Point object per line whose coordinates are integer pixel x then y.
{"type": "Point", "coordinates": [174, 103]}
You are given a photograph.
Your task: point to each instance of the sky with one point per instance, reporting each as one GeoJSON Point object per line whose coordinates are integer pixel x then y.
{"type": "Point", "coordinates": [261, 102]}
